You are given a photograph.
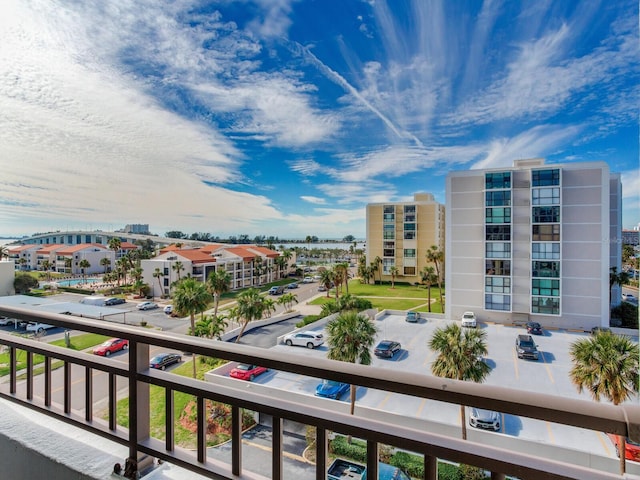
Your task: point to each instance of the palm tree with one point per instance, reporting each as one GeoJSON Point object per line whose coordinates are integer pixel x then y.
{"type": "Point", "coordinates": [287, 300]}
{"type": "Point", "coordinates": [460, 353]}
{"type": "Point", "coordinates": [342, 275]}
{"type": "Point", "coordinates": [46, 266]}
{"type": "Point", "coordinates": [219, 282]}
{"type": "Point", "coordinates": [394, 272]}
{"type": "Point", "coordinates": [67, 265]}
{"type": "Point", "coordinates": [378, 263]}
{"type": "Point", "coordinates": [4, 252]}
{"type": "Point", "coordinates": [250, 307]}
{"type": "Point", "coordinates": [350, 337]}
{"type": "Point", "coordinates": [211, 326]}
{"type": "Point", "coordinates": [616, 278]}
{"type": "Point", "coordinates": [191, 296]}
{"type": "Point", "coordinates": [177, 267]}
{"type": "Point", "coordinates": [327, 278]}
{"type": "Point", "coordinates": [115, 244]}
{"type": "Point", "coordinates": [159, 274]}
{"type": "Point", "coordinates": [288, 255]}
{"type": "Point", "coordinates": [84, 264]}
{"type": "Point", "coordinates": [428, 276]}
{"type": "Point", "coordinates": [22, 261]}
{"type": "Point", "coordinates": [105, 262]}
{"type": "Point", "coordinates": [436, 256]}
{"type": "Point", "coordinates": [606, 365]}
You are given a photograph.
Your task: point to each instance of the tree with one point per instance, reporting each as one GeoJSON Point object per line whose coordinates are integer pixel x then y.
{"type": "Point", "coordinates": [287, 300]}
{"type": "Point", "coordinates": [250, 307]}
{"type": "Point", "coordinates": [22, 262]}
{"type": "Point", "coordinates": [105, 262]}
{"type": "Point", "coordinates": [394, 272]}
{"type": "Point", "coordinates": [219, 282]}
{"type": "Point", "coordinates": [46, 266]}
{"type": "Point", "coordinates": [191, 296]}
{"type": "Point", "coordinates": [211, 326]}
{"type": "Point", "coordinates": [436, 256]}
{"type": "Point", "coordinates": [327, 278]}
{"type": "Point", "coordinates": [460, 353]}
{"type": "Point", "coordinates": [177, 267]}
{"type": "Point", "coordinates": [616, 278]}
{"type": "Point", "coordinates": [606, 365]}
{"type": "Point", "coordinates": [378, 263]}
{"type": "Point", "coordinates": [350, 337]}
{"type": "Point", "coordinates": [428, 276]}
{"type": "Point", "coordinates": [342, 272]}
{"type": "Point", "coordinates": [4, 252]}
{"type": "Point", "coordinates": [23, 282]}
{"type": "Point", "coordinates": [67, 265]}
{"type": "Point", "coordinates": [84, 264]}
{"type": "Point", "coordinates": [159, 274]}
{"type": "Point", "coordinates": [115, 244]}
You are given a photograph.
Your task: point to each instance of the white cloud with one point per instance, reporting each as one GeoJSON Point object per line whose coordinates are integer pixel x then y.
{"type": "Point", "coordinates": [314, 200]}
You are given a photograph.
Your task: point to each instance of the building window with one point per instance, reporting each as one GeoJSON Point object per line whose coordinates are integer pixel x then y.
{"type": "Point", "coordinates": [388, 209]}
{"type": "Point", "coordinates": [387, 263]}
{"type": "Point", "coordinates": [410, 235]}
{"type": "Point", "coordinates": [500, 198]}
{"type": "Point", "coordinates": [547, 305]}
{"type": "Point", "coordinates": [498, 250]}
{"type": "Point", "coordinates": [498, 233]}
{"type": "Point", "coordinates": [166, 271]}
{"type": "Point", "coordinates": [410, 253]}
{"type": "Point", "coordinates": [498, 215]}
{"type": "Point", "coordinates": [497, 180]}
{"type": "Point", "coordinates": [497, 285]}
{"type": "Point", "coordinates": [409, 227]}
{"type": "Point", "coordinates": [389, 218]}
{"type": "Point", "coordinates": [498, 267]}
{"type": "Point", "coordinates": [409, 271]}
{"type": "Point", "coordinates": [496, 301]}
{"type": "Point", "coordinates": [545, 251]}
{"type": "Point", "coordinates": [87, 239]}
{"type": "Point", "coordinates": [388, 252]}
{"type": "Point", "coordinates": [545, 233]}
{"type": "Point", "coordinates": [545, 178]}
{"type": "Point", "coordinates": [165, 282]}
{"type": "Point", "coordinates": [546, 214]}
{"type": "Point", "coordinates": [545, 269]}
{"type": "Point", "coordinates": [388, 232]}
{"type": "Point", "coordinates": [545, 287]}
{"type": "Point", "coordinates": [545, 196]}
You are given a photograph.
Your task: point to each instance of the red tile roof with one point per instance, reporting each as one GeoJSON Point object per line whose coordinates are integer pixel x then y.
{"type": "Point", "coordinates": [51, 247]}
{"type": "Point", "coordinates": [196, 256]}
{"type": "Point", "coordinates": [70, 249]}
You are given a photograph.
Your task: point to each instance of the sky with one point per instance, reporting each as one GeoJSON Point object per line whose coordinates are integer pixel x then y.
{"type": "Point", "coordinates": [285, 118]}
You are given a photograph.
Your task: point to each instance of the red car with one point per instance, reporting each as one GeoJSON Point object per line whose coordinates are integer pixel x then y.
{"type": "Point", "coordinates": [112, 345]}
{"type": "Point", "coordinates": [632, 449]}
{"type": "Point", "coordinates": [246, 372]}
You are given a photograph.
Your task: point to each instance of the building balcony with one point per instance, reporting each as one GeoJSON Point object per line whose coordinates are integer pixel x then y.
{"type": "Point", "coordinates": [501, 454]}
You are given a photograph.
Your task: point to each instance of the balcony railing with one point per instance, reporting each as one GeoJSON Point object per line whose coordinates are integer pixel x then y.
{"type": "Point", "coordinates": [376, 427]}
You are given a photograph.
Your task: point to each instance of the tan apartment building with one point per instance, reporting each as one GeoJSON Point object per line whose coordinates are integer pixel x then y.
{"type": "Point", "coordinates": [400, 233]}
{"type": "Point", "coordinates": [533, 242]}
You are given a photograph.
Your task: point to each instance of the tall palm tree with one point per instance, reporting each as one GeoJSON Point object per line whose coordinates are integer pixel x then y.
{"type": "Point", "coordinates": [67, 264]}
{"type": "Point", "coordinates": [616, 278]}
{"type": "Point", "coordinates": [191, 296]}
{"type": "Point", "coordinates": [105, 262]}
{"type": "Point", "coordinates": [327, 278]}
{"type": "Point", "coordinates": [436, 256]}
{"type": "Point", "coordinates": [251, 307]}
{"type": "Point", "coordinates": [394, 272]}
{"type": "Point", "coordinates": [342, 273]}
{"type": "Point", "coordinates": [287, 255]}
{"type": "Point", "coordinates": [115, 244]}
{"type": "Point", "coordinates": [287, 300]}
{"type": "Point", "coordinates": [350, 337]}
{"type": "Point", "coordinates": [22, 261]}
{"type": "Point", "coordinates": [219, 282]}
{"type": "Point", "coordinates": [159, 274]}
{"type": "Point", "coordinates": [378, 263]}
{"type": "Point", "coordinates": [177, 267]}
{"type": "Point", "coordinates": [460, 353]}
{"type": "Point", "coordinates": [428, 276]}
{"type": "Point", "coordinates": [84, 264]}
{"type": "Point", "coordinates": [606, 365]}
{"type": "Point", "coordinates": [46, 266]}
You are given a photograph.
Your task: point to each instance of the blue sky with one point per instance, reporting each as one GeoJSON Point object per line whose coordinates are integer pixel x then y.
{"type": "Point", "coordinates": [285, 118]}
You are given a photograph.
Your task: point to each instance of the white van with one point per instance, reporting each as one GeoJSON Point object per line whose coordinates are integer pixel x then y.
{"type": "Point", "coordinates": [94, 300]}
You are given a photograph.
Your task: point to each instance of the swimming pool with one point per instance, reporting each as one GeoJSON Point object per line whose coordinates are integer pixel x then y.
{"type": "Point", "coordinates": [77, 281]}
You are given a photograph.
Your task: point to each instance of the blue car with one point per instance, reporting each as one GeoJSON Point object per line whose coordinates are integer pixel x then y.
{"type": "Point", "coordinates": [331, 389]}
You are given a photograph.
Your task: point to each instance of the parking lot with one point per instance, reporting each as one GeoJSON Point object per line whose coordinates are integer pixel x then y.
{"type": "Point", "coordinates": [549, 375]}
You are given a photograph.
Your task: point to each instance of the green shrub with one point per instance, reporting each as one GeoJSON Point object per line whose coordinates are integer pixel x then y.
{"type": "Point", "coordinates": [307, 320]}
{"type": "Point", "coordinates": [446, 471]}
{"type": "Point", "coordinates": [627, 313]}
{"type": "Point", "coordinates": [356, 450]}
{"type": "Point", "coordinates": [412, 464]}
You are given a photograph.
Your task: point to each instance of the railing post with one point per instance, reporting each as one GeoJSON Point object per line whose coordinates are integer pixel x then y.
{"type": "Point", "coordinates": [430, 467]}
{"type": "Point", "coordinates": [29, 375]}
{"type": "Point", "coordinates": [88, 394]}
{"type": "Point", "coordinates": [139, 423]}
{"type": "Point", "coordinates": [276, 448]}
{"type": "Point", "coordinates": [236, 440]}
{"type": "Point", "coordinates": [13, 361]}
{"type": "Point", "coordinates": [67, 387]}
{"type": "Point", "coordinates": [372, 459]}
{"type": "Point", "coordinates": [498, 476]}
{"type": "Point", "coordinates": [47, 381]}
{"type": "Point", "coordinates": [169, 419]}
{"type": "Point", "coordinates": [321, 453]}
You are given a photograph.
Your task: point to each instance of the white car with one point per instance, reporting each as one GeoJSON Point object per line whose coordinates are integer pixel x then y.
{"type": "Point", "coordinates": [6, 320]}
{"type": "Point", "coordinates": [628, 297]}
{"type": "Point", "coordinates": [308, 338]}
{"type": "Point", "coordinates": [147, 306]}
{"type": "Point", "coordinates": [38, 327]}
{"type": "Point", "coordinates": [486, 419]}
{"type": "Point", "coordinates": [168, 309]}
{"type": "Point", "coordinates": [469, 319]}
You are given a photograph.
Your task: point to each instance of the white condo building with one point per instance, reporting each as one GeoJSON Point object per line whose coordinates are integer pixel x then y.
{"type": "Point", "coordinates": [533, 242]}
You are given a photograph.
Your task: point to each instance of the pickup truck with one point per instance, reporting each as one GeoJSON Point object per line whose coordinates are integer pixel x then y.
{"type": "Point", "coordinates": [38, 327]}
{"type": "Point", "coordinates": [342, 469]}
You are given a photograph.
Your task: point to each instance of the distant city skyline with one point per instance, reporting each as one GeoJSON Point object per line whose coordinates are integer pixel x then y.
{"type": "Point", "coordinates": [286, 117]}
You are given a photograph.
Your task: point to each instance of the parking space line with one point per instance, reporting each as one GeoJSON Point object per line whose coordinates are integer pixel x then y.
{"type": "Point", "coordinates": [605, 444]}
{"type": "Point", "coordinates": [515, 365]}
{"type": "Point", "coordinates": [385, 400]}
{"type": "Point", "coordinates": [550, 431]}
{"type": "Point", "coordinates": [421, 407]}
{"type": "Point", "coordinates": [547, 368]}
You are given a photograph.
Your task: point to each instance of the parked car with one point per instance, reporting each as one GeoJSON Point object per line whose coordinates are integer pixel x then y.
{"type": "Point", "coordinates": [6, 320]}
{"type": "Point", "coordinates": [308, 338]}
{"type": "Point", "coordinates": [307, 280]}
{"type": "Point", "coordinates": [412, 317]}
{"type": "Point", "coordinates": [631, 448]}
{"type": "Point", "coordinates": [38, 327]}
{"type": "Point", "coordinates": [331, 389]}
{"type": "Point", "coordinates": [163, 360]}
{"type": "Point", "coordinates": [293, 285]}
{"type": "Point", "coordinates": [244, 371]}
{"type": "Point", "coordinates": [387, 348]}
{"type": "Point", "coordinates": [168, 309]}
{"type": "Point", "coordinates": [629, 297]}
{"type": "Point", "coordinates": [469, 319]}
{"type": "Point", "coordinates": [322, 288]}
{"type": "Point", "coordinates": [526, 347]}
{"type": "Point", "coordinates": [534, 327]}
{"type": "Point", "coordinates": [112, 345]}
{"type": "Point", "coordinates": [114, 301]}
{"type": "Point", "coordinates": [486, 419]}
{"type": "Point", "coordinates": [147, 306]}
{"type": "Point", "coordinates": [341, 469]}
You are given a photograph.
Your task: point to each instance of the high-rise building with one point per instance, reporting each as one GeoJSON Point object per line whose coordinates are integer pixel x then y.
{"type": "Point", "coordinates": [400, 233]}
{"type": "Point", "coordinates": [533, 242]}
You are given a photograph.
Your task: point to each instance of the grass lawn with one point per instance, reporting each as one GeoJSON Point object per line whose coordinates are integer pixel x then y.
{"type": "Point", "coordinates": [78, 342]}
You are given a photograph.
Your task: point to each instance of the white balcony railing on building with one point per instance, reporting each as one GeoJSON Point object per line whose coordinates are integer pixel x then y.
{"type": "Point", "coordinates": [401, 432]}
